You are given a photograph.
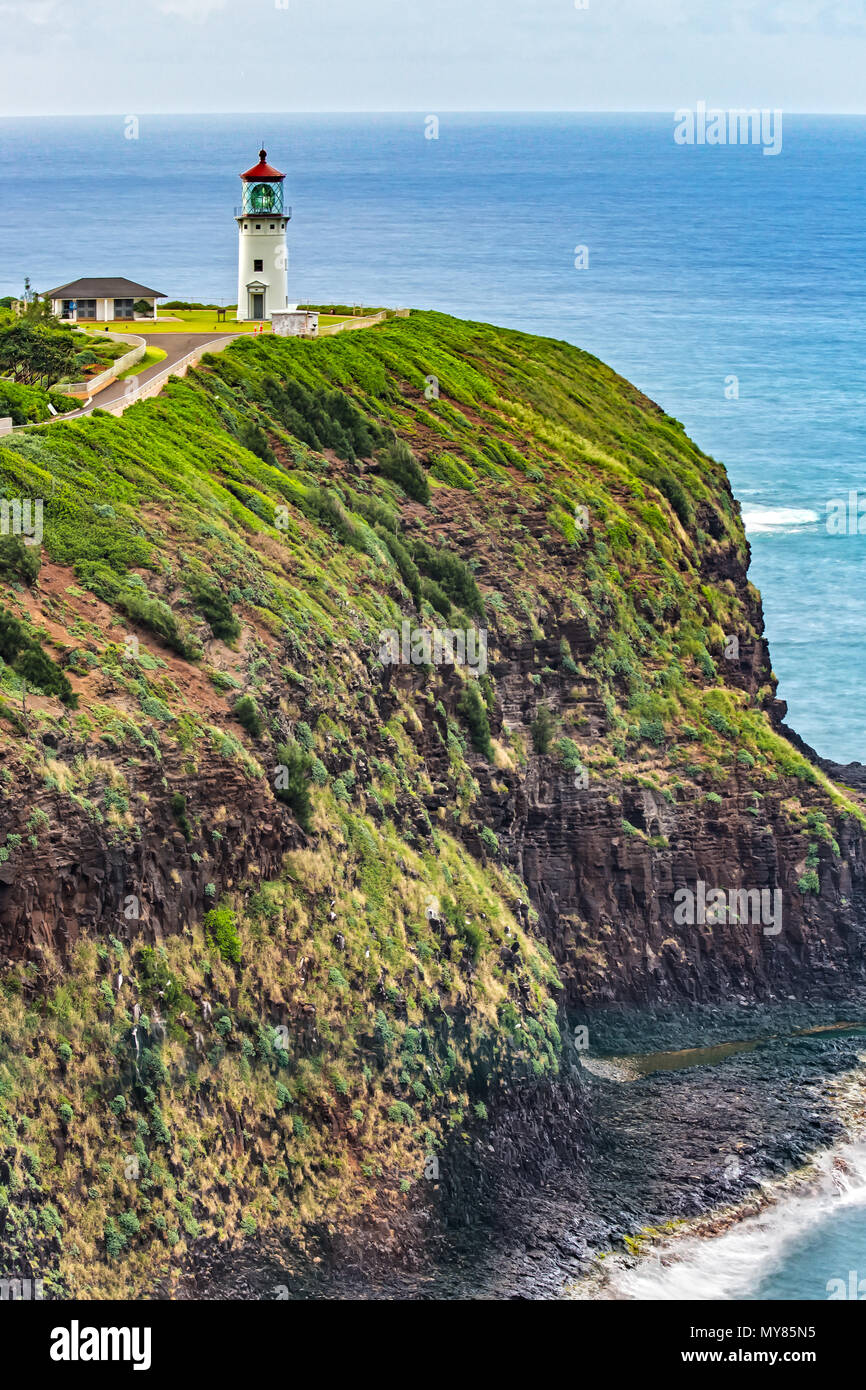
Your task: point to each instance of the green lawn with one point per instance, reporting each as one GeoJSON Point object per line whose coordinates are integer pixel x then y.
{"type": "Point", "coordinates": [150, 358]}
{"type": "Point", "coordinates": [196, 321]}
{"type": "Point", "coordinates": [180, 321]}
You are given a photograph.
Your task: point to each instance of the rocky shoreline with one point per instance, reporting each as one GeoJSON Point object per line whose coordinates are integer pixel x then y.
{"type": "Point", "coordinates": [698, 1147]}
{"type": "Point", "coordinates": [830, 1166]}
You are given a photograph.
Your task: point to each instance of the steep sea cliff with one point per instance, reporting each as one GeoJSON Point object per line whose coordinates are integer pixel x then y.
{"type": "Point", "coordinates": [305, 945]}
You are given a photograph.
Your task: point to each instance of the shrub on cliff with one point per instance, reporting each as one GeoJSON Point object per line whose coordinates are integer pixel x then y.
{"type": "Point", "coordinates": [20, 560]}
{"type": "Point", "coordinates": [451, 574]}
{"type": "Point", "coordinates": [253, 438]}
{"type": "Point", "coordinates": [489, 839]}
{"type": "Point", "coordinates": [41, 673]}
{"type": "Point", "coordinates": [322, 419]}
{"type": "Point", "coordinates": [129, 594]}
{"type": "Point", "coordinates": [372, 510]}
{"type": "Point", "coordinates": [115, 1243]}
{"type": "Point", "coordinates": [541, 729]}
{"type": "Point", "coordinates": [292, 782]}
{"type": "Point", "coordinates": [323, 505]}
{"type": "Point", "coordinates": [472, 709]}
{"type": "Point", "coordinates": [222, 933]}
{"type": "Point", "coordinates": [209, 600]}
{"type": "Point", "coordinates": [22, 651]}
{"type": "Point", "coordinates": [178, 810]}
{"type": "Point", "coordinates": [676, 494]}
{"type": "Point", "coordinates": [247, 713]}
{"type": "Point", "coordinates": [436, 597]}
{"type": "Point", "coordinates": [404, 562]}
{"type": "Point", "coordinates": [651, 731]}
{"type": "Point", "coordinates": [398, 463]}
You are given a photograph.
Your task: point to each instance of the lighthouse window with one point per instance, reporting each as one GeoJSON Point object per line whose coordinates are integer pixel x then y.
{"type": "Point", "coordinates": [258, 265]}
{"type": "Point", "coordinates": [258, 226]}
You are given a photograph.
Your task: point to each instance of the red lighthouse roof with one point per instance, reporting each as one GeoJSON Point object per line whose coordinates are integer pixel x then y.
{"type": "Point", "coordinates": [263, 170]}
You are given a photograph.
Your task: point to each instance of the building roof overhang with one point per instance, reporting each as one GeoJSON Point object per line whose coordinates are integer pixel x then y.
{"type": "Point", "coordinates": [263, 170]}
{"type": "Point", "coordinates": [111, 288]}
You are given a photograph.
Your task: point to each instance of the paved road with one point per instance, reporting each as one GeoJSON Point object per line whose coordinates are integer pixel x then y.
{"type": "Point", "coordinates": [174, 345]}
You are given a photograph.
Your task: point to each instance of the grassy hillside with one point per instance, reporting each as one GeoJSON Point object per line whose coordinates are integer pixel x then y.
{"type": "Point", "coordinates": [267, 945]}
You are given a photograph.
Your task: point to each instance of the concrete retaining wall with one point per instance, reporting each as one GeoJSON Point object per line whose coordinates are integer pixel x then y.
{"type": "Point", "coordinates": [346, 327]}
{"type": "Point", "coordinates": [136, 392]}
{"type": "Point", "coordinates": [129, 359]}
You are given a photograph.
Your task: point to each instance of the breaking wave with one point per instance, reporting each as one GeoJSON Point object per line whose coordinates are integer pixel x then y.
{"type": "Point", "coordinates": [733, 1264]}
{"type": "Point", "coordinates": [764, 519]}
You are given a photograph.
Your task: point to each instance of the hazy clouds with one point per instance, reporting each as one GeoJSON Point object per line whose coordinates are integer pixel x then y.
{"type": "Point", "coordinates": [258, 55]}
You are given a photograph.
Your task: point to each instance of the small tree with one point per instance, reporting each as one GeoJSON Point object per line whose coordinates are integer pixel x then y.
{"type": "Point", "coordinates": [34, 355]}
{"type": "Point", "coordinates": [542, 729]}
{"type": "Point", "coordinates": [472, 708]}
{"type": "Point", "coordinates": [397, 462]}
{"type": "Point", "coordinates": [292, 782]}
{"type": "Point", "coordinates": [35, 670]}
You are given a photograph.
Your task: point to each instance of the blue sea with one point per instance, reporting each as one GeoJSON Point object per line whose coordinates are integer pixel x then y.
{"type": "Point", "coordinates": [728, 284]}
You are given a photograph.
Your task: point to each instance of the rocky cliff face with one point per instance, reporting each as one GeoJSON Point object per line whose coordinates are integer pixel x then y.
{"type": "Point", "coordinates": [603, 863]}
{"type": "Point", "coordinates": [80, 878]}
{"type": "Point", "coordinates": [296, 918]}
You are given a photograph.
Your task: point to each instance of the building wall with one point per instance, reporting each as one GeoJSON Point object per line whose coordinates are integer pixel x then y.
{"type": "Point", "coordinates": [295, 323]}
{"type": "Point", "coordinates": [270, 248]}
{"type": "Point", "coordinates": [104, 308]}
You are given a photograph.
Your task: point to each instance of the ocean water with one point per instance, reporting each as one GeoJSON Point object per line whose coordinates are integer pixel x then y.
{"type": "Point", "coordinates": [704, 264]}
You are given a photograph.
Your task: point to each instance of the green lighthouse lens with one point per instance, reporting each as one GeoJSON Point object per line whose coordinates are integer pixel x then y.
{"type": "Point", "coordinates": [263, 198]}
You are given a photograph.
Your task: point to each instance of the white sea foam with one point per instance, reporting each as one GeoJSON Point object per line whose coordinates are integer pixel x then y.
{"type": "Point", "coordinates": [764, 519]}
{"type": "Point", "coordinates": [731, 1265]}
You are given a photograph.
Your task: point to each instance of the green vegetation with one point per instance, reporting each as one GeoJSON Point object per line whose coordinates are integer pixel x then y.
{"type": "Point", "coordinates": [398, 462]}
{"type": "Point", "coordinates": [471, 707]}
{"type": "Point", "coordinates": [293, 782]}
{"type": "Point", "coordinates": [29, 404]}
{"type": "Point", "coordinates": [222, 932]}
{"type": "Point", "coordinates": [22, 651]}
{"type": "Point", "coordinates": [247, 713]}
{"type": "Point", "coordinates": [217, 570]}
{"type": "Point", "coordinates": [34, 355]}
{"type": "Point", "coordinates": [542, 728]}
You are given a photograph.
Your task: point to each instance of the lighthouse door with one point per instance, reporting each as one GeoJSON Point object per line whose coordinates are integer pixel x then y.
{"type": "Point", "coordinates": [258, 303]}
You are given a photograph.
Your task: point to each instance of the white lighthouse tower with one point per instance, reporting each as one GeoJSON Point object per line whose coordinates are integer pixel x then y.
{"type": "Point", "coordinates": [263, 260]}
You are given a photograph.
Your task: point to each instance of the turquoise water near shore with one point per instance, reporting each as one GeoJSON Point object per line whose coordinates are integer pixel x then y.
{"type": "Point", "coordinates": [827, 1262]}
{"type": "Point", "coordinates": [704, 264]}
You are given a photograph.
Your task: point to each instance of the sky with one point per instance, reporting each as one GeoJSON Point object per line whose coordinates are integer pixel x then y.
{"type": "Point", "coordinates": [145, 56]}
